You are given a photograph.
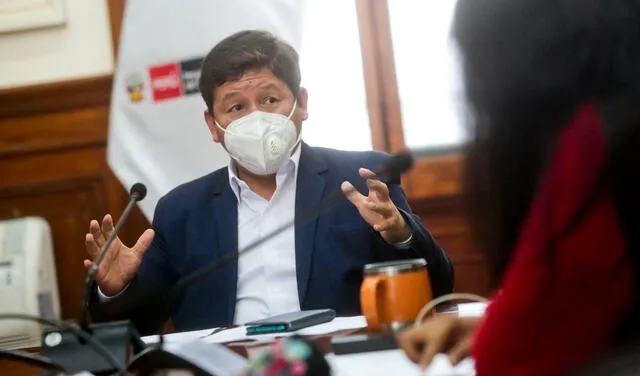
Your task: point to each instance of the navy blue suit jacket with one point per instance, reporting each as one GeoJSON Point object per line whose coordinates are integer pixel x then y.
{"type": "Point", "coordinates": [196, 223]}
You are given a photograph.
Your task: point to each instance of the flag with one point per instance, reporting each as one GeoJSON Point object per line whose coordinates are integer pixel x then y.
{"type": "Point", "coordinates": [157, 133]}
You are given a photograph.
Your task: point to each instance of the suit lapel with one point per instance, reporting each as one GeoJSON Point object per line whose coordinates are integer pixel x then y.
{"type": "Point", "coordinates": [309, 191]}
{"type": "Point", "coordinates": [225, 209]}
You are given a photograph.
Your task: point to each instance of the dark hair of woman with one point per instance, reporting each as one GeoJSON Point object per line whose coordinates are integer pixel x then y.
{"type": "Point", "coordinates": [528, 66]}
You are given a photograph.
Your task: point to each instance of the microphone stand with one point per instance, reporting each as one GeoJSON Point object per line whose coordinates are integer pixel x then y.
{"type": "Point", "coordinates": [58, 327]}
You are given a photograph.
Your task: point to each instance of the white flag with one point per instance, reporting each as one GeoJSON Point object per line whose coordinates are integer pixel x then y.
{"type": "Point", "coordinates": [157, 133]}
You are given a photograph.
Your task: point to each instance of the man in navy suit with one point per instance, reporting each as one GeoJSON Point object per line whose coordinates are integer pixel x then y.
{"type": "Point", "coordinates": [250, 83]}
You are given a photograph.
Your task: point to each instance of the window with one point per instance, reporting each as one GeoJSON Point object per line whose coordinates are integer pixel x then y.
{"type": "Point", "coordinates": [428, 73]}
{"type": "Point", "coordinates": [331, 65]}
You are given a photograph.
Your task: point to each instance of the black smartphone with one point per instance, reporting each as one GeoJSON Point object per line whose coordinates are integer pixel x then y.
{"type": "Point", "coordinates": [363, 343]}
{"type": "Point", "coordinates": [290, 322]}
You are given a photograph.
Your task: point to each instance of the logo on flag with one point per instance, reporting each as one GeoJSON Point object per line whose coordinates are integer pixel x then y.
{"type": "Point", "coordinates": [135, 87]}
{"type": "Point", "coordinates": [166, 82]}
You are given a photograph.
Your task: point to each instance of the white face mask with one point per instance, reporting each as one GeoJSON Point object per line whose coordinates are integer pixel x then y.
{"type": "Point", "coordinates": [261, 142]}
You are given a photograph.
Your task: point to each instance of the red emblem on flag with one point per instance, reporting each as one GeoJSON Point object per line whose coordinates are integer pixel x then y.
{"type": "Point", "coordinates": [166, 82]}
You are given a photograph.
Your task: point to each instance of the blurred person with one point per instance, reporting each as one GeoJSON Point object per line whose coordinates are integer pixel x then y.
{"type": "Point", "coordinates": [552, 182]}
{"type": "Point", "coordinates": [250, 83]}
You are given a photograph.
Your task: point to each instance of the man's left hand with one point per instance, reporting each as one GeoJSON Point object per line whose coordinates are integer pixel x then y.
{"type": "Point", "coordinates": [377, 208]}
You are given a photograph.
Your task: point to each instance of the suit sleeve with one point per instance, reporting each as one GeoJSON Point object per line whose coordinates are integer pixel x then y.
{"type": "Point", "coordinates": [422, 245]}
{"type": "Point", "coordinates": [143, 301]}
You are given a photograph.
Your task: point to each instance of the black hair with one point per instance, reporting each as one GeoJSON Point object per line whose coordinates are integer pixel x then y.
{"type": "Point", "coordinates": [244, 51]}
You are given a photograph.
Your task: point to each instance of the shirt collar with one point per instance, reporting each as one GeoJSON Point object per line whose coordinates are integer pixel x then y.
{"type": "Point", "coordinates": [291, 166]}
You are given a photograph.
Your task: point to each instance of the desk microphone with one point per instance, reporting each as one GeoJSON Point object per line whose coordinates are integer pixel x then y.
{"type": "Point", "coordinates": [120, 338]}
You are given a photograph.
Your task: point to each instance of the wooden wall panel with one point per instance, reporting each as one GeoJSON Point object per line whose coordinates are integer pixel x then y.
{"type": "Point", "coordinates": [40, 133]}
{"type": "Point", "coordinates": [53, 164]}
{"type": "Point", "coordinates": [445, 218]}
{"type": "Point", "coordinates": [67, 205]}
{"type": "Point", "coordinates": [434, 185]}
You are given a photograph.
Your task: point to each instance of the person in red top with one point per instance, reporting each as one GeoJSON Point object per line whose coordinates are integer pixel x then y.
{"type": "Point", "coordinates": [553, 176]}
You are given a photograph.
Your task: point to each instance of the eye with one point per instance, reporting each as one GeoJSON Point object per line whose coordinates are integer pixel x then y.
{"type": "Point", "coordinates": [270, 100]}
{"type": "Point", "coordinates": [235, 108]}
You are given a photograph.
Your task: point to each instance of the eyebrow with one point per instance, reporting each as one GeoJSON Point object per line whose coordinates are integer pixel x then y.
{"type": "Point", "coordinates": [229, 96]}
{"type": "Point", "coordinates": [269, 86]}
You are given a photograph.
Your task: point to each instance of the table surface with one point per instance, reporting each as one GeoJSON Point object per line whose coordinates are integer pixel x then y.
{"type": "Point", "coordinates": [9, 368]}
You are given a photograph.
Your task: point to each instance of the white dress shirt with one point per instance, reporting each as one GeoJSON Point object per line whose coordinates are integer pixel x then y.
{"type": "Point", "coordinates": [267, 281]}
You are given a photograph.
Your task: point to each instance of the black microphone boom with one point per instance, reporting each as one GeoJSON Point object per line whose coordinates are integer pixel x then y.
{"type": "Point", "coordinates": [390, 172]}
{"type": "Point", "coordinates": [136, 194]}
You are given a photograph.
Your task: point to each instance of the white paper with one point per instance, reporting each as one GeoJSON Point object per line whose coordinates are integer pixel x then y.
{"type": "Point", "coordinates": [213, 358]}
{"type": "Point", "coordinates": [394, 362]}
{"type": "Point", "coordinates": [336, 325]}
{"type": "Point", "coordinates": [178, 337]}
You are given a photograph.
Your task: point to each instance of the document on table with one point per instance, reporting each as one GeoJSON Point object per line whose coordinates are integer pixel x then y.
{"type": "Point", "coordinates": [240, 333]}
{"type": "Point", "coordinates": [212, 358]}
{"type": "Point", "coordinates": [394, 362]}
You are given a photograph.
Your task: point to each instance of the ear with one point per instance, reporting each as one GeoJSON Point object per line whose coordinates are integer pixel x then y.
{"type": "Point", "coordinates": [215, 132]}
{"type": "Point", "coordinates": [303, 100]}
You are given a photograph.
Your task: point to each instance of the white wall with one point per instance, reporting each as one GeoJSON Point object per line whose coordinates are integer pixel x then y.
{"type": "Point", "coordinates": [80, 48]}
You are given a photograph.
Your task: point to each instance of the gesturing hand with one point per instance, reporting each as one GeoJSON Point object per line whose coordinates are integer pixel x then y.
{"type": "Point", "coordinates": [377, 209]}
{"type": "Point", "coordinates": [120, 263]}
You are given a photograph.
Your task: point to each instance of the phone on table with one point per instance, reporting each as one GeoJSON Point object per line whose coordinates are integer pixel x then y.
{"type": "Point", "coordinates": [290, 322]}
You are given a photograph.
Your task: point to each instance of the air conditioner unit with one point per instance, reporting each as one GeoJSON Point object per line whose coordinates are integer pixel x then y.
{"type": "Point", "coordinates": [28, 282]}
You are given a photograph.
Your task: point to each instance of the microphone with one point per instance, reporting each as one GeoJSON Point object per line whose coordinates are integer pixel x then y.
{"type": "Point", "coordinates": [397, 165]}
{"type": "Point", "coordinates": [121, 338]}
{"type": "Point", "coordinates": [390, 172]}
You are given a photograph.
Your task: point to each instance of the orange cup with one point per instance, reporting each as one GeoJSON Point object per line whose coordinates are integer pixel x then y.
{"type": "Point", "coordinates": [393, 293]}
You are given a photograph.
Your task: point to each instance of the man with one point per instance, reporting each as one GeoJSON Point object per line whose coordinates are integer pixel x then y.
{"type": "Point", "coordinates": [250, 83]}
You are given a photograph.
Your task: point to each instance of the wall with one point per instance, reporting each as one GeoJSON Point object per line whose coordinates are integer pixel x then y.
{"type": "Point", "coordinates": [80, 48]}
{"type": "Point", "coordinates": [53, 134]}
{"type": "Point", "coordinates": [53, 165]}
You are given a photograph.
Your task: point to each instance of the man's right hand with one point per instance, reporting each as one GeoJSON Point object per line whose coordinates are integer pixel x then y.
{"type": "Point", "coordinates": [120, 263]}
